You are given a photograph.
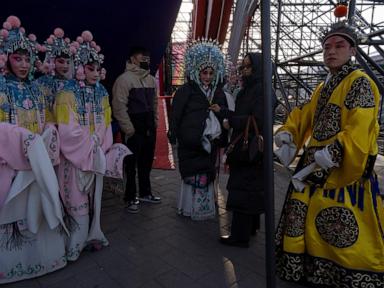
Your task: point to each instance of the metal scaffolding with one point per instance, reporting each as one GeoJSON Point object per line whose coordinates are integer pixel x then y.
{"type": "Point", "coordinates": [297, 26]}
{"type": "Point", "coordinates": [182, 33]}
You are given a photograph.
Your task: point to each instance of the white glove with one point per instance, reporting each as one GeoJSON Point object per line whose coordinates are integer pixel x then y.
{"type": "Point", "coordinates": [298, 180]}
{"type": "Point", "coordinates": [286, 153]}
{"type": "Point", "coordinates": [283, 137]}
{"type": "Point", "coordinates": [324, 159]}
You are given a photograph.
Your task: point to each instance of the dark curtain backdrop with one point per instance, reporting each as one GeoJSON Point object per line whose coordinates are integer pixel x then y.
{"type": "Point", "coordinates": [115, 24]}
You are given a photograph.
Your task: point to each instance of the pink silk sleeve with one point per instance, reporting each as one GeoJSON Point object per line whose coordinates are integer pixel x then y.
{"type": "Point", "coordinates": [14, 141]}
{"type": "Point", "coordinates": [77, 144]}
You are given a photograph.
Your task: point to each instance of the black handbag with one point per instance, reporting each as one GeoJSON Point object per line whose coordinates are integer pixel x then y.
{"type": "Point", "coordinates": [246, 147]}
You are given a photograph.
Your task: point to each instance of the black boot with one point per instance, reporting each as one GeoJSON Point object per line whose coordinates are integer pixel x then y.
{"type": "Point", "coordinates": [230, 241]}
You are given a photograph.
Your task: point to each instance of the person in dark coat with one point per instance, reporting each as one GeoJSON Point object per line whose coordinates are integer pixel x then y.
{"type": "Point", "coordinates": [198, 109]}
{"type": "Point", "coordinates": [245, 183]}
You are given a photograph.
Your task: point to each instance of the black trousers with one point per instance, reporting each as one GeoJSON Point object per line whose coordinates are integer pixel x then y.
{"type": "Point", "coordinates": [244, 225]}
{"type": "Point", "coordinates": [143, 149]}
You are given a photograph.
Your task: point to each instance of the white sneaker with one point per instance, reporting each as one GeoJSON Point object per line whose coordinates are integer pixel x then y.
{"type": "Point", "coordinates": [132, 207]}
{"type": "Point", "coordinates": [150, 199]}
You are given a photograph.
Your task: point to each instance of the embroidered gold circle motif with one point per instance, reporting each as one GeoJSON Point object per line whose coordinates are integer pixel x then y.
{"type": "Point", "coordinates": [337, 226]}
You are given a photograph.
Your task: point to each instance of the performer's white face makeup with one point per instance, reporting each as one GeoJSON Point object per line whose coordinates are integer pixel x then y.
{"type": "Point", "coordinates": [92, 73]}
{"type": "Point", "coordinates": [62, 66]}
{"type": "Point", "coordinates": [206, 76]}
{"type": "Point", "coordinates": [20, 63]}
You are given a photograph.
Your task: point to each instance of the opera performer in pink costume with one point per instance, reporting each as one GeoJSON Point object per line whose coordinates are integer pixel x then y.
{"type": "Point", "coordinates": [32, 230]}
{"type": "Point", "coordinates": [83, 116]}
{"type": "Point", "coordinates": [57, 67]}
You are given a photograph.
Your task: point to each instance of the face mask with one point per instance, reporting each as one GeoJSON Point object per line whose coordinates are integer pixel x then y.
{"type": "Point", "coordinates": [144, 65]}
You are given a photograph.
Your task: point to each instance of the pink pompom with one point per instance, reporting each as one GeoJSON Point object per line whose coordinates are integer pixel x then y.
{"type": "Point", "coordinates": [4, 33]}
{"type": "Point", "coordinates": [87, 36]}
{"type": "Point", "coordinates": [44, 68]}
{"type": "Point", "coordinates": [32, 37]}
{"type": "Point", "coordinates": [58, 32]}
{"type": "Point", "coordinates": [47, 67]}
{"type": "Point", "coordinates": [72, 49]}
{"type": "Point", "coordinates": [15, 21]}
{"type": "Point", "coordinates": [93, 44]}
{"type": "Point", "coordinates": [22, 30]}
{"type": "Point", "coordinates": [80, 39]}
{"type": "Point", "coordinates": [75, 44]}
{"type": "Point", "coordinates": [98, 49]}
{"type": "Point", "coordinates": [7, 25]}
{"type": "Point", "coordinates": [3, 57]}
{"type": "Point", "coordinates": [50, 41]}
{"type": "Point", "coordinates": [67, 40]}
{"type": "Point", "coordinates": [43, 49]}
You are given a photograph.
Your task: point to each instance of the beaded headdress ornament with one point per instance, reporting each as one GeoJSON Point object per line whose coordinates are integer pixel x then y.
{"type": "Point", "coordinates": [87, 51]}
{"type": "Point", "coordinates": [55, 46]}
{"type": "Point", "coordinates": [201, 54]}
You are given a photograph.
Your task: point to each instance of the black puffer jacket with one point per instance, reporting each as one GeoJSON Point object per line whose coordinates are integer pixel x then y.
{"type": "Point", "coordinates": [188, 114]}
{"type": "Point", "coordinates": [245, 183]}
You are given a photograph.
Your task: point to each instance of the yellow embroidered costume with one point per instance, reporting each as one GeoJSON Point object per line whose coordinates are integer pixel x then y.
{"type": "Point", "coordinates": [331, 233]}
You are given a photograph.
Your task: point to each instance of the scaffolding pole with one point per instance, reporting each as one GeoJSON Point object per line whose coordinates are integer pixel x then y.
{"type": "Point", "coordinates": [268, 152]}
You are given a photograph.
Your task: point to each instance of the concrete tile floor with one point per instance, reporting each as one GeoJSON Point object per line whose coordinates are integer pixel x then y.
{"type": "Point", "coordinates": [157, 248]}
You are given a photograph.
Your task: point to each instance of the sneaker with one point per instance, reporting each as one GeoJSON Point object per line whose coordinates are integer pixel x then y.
{"type": "Point", "coordinates": [136, 201]}
{"type": "Point", "coordinates": [131, 207]}
{"type": "Point", "coordinates": [150, 199]}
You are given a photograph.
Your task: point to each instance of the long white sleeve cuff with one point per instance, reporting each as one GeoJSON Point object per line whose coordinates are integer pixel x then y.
{"type": "Point", "coordinates": [283, 137]}
{"type": "Point", "coordinates": [286, 153]}
{"type": "Point", "coordinates": [324, 159]}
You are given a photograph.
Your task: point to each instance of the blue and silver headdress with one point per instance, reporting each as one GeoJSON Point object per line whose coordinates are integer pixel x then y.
{"type": "Point", "coordinates": [202, 54]}
{"type": "Point", "coordinates": [13, 38]}
{"type": "Point", "coordinates": [87, 51]}
{"type": "Point", "coordinates": [57, 45]}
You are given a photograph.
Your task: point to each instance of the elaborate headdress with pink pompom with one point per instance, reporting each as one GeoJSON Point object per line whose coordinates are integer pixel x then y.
{"type": "Point", "coordinates": [55, 46]}
{"type": "Point", "coordinates": [87, 51]}
{"type": "Point", "coordinates": [13, 38]}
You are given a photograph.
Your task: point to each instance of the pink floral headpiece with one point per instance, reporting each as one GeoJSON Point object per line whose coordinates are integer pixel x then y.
{"type": "Point", "coordinates": [13, 38]}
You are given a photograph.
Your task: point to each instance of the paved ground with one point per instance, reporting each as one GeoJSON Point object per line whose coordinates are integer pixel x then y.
{"type": "Point", "coordinates": [157, 248]}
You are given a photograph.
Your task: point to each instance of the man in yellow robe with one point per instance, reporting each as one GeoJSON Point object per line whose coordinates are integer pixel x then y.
{"type": "Point", "coordinates": [331, 228]}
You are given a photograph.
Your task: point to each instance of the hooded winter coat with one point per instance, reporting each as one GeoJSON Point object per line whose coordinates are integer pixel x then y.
{"type": "Point", "coordinates": [245, 183]}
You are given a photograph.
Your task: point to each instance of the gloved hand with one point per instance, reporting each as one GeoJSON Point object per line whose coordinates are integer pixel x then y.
{"type": "Point", "coordinates": [324, 159]}
{"type": "Point", "coordinates": [287, 149]}
{"type": "Point", "coordinates": [283, 137]}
